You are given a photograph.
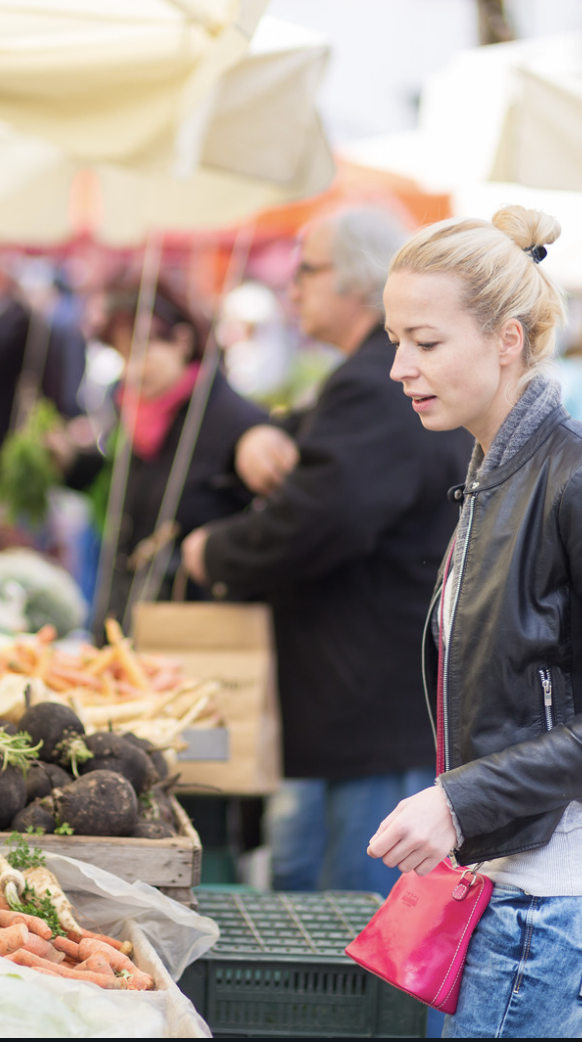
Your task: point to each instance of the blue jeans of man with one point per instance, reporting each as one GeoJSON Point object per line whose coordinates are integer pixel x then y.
{"type": "Point", "coordinates": [523, 976]}
{"type": "Point", "coordinates": [319, 830]}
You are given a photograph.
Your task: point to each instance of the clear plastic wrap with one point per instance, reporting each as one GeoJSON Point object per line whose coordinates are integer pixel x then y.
{"type": "Point", "coordinates": [167, 937]}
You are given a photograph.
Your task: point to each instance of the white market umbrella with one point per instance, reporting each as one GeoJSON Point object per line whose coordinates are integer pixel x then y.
{"type": "Point", "coordinates": [119, 81]}
{"type": "Point", "coordinates": [500, 125]}
{"type": "Point", "coordinates": [263, 145]}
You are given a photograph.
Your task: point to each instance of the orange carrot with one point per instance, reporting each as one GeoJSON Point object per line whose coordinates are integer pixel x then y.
{"type": "Point", "coordinates": [97, 963]}
{"type": "Point", "coordinates": [24, 958]}
{"type": "Point", "coordinates": [12, 938]}
{"type": "Point", "coordinates": [73, 677]}
{"type": "Point", "coordinates": [38, 946]}
{"type": "Point", "coordinates": [46, 633]}
{"type": "Point", "coordinates": [125, 947]}
{"type": "Point", "coordinates": [68, 946]}
{"type": "Point", "coordinates": [34, 924]}
{"type": "Point", "coordinates": [117, 960]}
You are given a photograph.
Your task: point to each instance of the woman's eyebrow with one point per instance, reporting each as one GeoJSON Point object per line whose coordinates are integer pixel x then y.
{"type": "Point", "coordinates": [412, 329]}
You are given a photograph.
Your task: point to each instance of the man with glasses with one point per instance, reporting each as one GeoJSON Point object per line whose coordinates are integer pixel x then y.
{"type": "Point", "coordinates": [345, 549]}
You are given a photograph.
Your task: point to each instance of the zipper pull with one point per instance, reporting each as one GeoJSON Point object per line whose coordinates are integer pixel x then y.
{"type": "Point", "coordinates": [546, 679]}
{"type": "Point", "coordinates": [547, 686]}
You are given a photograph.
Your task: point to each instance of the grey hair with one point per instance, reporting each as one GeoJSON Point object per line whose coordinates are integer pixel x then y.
{"type": "Point", "coordinates": [363, 243]}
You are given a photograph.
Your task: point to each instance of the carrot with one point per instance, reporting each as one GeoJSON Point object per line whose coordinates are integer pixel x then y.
{"type": "Point", "coordinates": [45, 970]}
{"type": "Point", "coordinates": [68, 946]}
{"type": "Point", "coordinates": [72, 678]}
{"type": "Point", "coordinates": [46, 633]}
{"type": "Point", "coordinates": [12, 938]}
{"type": "Point", "coordinates": [38, 946]}
{"type": "Point", "coordinates": [100, 662]}
{"type": "Point", "coordinates": [118, 961]}
{"type": "Point", "coordinates": [125, 947]}
{"type": "Point", "coordinates": [34, 924]}
{"type": "Point", "coordinates": [97, 963]}
{"type": "Point", "coordinates": [24, 958]}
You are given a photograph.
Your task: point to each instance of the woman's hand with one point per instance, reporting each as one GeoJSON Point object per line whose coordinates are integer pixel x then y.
{"type": "Point", "coordinates": [264, 457]}
{"type": "Point", "coordinates": [417, 834]}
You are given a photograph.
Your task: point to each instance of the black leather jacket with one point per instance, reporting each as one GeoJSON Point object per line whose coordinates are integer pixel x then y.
{"type": "Point", "coordinates": [513, 665]}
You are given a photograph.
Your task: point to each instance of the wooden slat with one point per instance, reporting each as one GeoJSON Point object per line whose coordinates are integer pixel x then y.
{"type": "Point", "coordinates": [173, 862]}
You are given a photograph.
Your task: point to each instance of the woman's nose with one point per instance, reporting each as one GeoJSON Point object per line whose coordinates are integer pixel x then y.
{"type": "Point", "coordinates": [398, 371]}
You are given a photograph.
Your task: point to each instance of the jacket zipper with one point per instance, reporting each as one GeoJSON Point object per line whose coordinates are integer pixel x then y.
{"type": "Point", "coordinates": [448, 645]}
{"type": "Point", "coordinates": [427, 626]}
{"type": "Point", "coordinates": [546, 679]}
{"type": "Point", "coordinates": [440, 592]}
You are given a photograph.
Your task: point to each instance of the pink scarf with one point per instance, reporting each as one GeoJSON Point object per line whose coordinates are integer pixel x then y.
{"type": "Point", "coordinates": [151, 418]}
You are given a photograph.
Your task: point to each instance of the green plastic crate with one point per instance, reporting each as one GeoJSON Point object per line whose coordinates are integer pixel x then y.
{"type": "Point", "coordinates": [279, 970]}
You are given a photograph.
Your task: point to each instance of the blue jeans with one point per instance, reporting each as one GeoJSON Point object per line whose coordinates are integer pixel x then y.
{"type": "Point", "coordinates": [523, 976]}
{"type": "Point", "coordinates": [319, 831]}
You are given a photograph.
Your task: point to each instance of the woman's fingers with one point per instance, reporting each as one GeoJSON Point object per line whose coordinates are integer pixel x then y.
{"type": "Point", "coordinates": [417, 834]}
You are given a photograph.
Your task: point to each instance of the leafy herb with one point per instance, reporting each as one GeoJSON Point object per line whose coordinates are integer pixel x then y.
{"type": "Point", "coordinates": [64, 829]}
{"type": "Point", "coordinates": [23, 856]}
{"type": "Point", "coordinates": [41, 907]}
{"type": "Point", "coordinates": [72, 751]}
{"type": "Point", "coordinates": [27, 470]}
{"type": "Point", "coordinates": [16, 750]}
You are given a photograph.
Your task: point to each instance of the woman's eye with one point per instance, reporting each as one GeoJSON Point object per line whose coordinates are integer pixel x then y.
{"type": "Point", "coordinates": [428, 347]}
{"type": "Point", "coordinates": [392, 343]}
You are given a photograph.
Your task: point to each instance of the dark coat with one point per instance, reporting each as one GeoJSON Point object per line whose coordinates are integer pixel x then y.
{"type": "Point", "coordinates": [514, 746]}
{"type": "Point", "coordinates": [346, 553]}
{"type": "Point", "coordinates": [57, 360]}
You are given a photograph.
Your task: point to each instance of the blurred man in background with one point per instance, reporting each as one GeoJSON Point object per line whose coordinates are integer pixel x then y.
{"type": "Point", "coordinates": [345, 549]}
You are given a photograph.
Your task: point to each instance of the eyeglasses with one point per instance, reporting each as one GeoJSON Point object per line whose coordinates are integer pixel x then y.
{"type": "Point", "coordinates": [309, 269]}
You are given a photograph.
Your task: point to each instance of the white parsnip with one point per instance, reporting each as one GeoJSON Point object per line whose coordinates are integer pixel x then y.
{"type": "Point", "coordinates": [45, 883]}
{"type": "Point", "coordinates": [12, 882]}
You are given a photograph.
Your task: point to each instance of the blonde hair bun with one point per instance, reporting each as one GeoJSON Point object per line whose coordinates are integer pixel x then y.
{"type": "Point", "coordinates": [527, 228]}
{"type": "Point", "coordinates": [494, 262]}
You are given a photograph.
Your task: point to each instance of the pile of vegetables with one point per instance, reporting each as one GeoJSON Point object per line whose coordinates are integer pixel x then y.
{"type": "Point", "coordinates": [38, 928]}
{"type": "Point", "coordinates": [69, 763]}
{"type": "Point", "coordinates": [57, 779]}
{"type": "Point", "coordinates": [112, 687]}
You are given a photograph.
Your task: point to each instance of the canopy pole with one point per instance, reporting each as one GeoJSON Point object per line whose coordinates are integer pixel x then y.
{"type": "Point", "coordinates": [148, 579]}
{"type": "Point", "coordinates": [124, 441]}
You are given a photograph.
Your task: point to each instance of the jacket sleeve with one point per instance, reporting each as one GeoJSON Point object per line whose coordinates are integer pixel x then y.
{"type": "Point", "coordinates": [542, 773]}
{"type": "Point", "coordinates": [357, 474]}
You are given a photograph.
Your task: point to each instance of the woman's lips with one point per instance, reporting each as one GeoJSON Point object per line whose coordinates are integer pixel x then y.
{"type": "Point", "coordinates": [420, 403]}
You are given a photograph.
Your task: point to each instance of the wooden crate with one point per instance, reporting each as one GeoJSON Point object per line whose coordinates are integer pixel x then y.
{"type": "Point", "coordinates": [172, 865]}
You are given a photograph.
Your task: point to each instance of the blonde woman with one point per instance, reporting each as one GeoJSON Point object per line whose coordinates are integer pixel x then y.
{"type": "Point", "coordinates": [472, 316]}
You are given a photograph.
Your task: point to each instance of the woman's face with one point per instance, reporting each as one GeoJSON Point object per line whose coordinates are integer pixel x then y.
{"type": "Point", "coordinates": [454, 374]}
{"type": "Point", "coordinates": [165, 359]}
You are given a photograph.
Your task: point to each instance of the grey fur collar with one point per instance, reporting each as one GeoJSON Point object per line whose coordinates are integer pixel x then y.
{"type": "Point", "coordinates": [539, 399]}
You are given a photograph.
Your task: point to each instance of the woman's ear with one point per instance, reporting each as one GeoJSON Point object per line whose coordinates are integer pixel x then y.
{"type": "Point", "coordinates": [183, 337]}
{"type": "Point", "coordinates": [512, 340]}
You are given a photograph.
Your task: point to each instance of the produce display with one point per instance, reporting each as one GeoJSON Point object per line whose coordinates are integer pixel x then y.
{"type": "Point", "coordinates": [61, 773]}
{"type": "Point", "coordinates": [38, 928]}
{"type": "Point", "coordinates": [113, 687]}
